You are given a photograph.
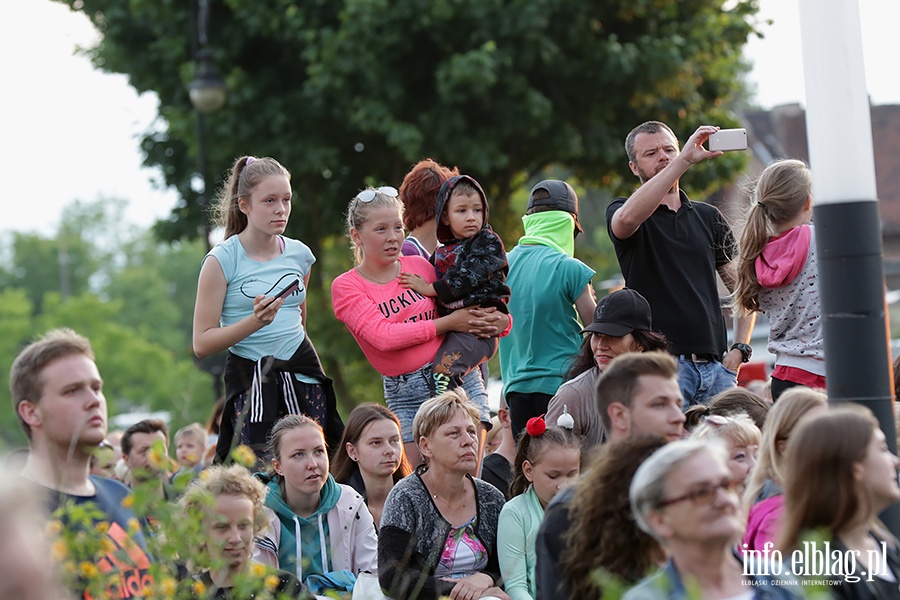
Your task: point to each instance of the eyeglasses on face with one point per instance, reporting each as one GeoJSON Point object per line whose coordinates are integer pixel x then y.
{"type": "Point", "coordinates": [369, 194]}
{"type": "Point", "coordinates": [702, 495]}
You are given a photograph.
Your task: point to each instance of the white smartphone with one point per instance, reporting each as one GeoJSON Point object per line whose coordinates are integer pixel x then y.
{"type": "Point", "coordinates": [728, 139]}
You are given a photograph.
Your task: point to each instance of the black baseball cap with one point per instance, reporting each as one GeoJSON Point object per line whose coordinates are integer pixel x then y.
{"type": "Point", "coordinates": [620, 313]}
{"type": "Point", "coordinates": [557, 195]}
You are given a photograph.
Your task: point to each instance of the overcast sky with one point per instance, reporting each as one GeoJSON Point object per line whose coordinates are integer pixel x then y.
{"type": "Point", "coordinates": [72, 132]}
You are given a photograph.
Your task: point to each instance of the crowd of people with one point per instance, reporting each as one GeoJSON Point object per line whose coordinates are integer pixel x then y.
{"type": "Point", "coordinates": [624, 459]}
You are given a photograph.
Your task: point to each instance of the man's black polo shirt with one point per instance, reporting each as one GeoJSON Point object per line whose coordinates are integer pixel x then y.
{"type": "Point", "coordinates": [672, 260]}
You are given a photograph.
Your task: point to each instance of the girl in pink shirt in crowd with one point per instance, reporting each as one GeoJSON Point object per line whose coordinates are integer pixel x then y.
{"type": "Point", "coordinates": [777, 274]}
{"type": "Point", "coordinates": [396, 327]}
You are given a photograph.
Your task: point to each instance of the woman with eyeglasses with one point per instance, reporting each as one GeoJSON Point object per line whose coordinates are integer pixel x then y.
{"type": "Point", "coordinates": [684, 496]}
{"type": "Point", "coordinates": [397, 328]}
{"type": "Point", "coordinates": [251, 301]}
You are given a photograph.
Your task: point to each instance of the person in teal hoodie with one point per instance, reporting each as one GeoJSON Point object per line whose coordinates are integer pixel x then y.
{"type": "Point", "coordinates": [318, 529]}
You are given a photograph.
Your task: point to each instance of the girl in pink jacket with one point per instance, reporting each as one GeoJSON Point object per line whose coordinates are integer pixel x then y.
{"type": "Point", "coordinates": [778, 275]}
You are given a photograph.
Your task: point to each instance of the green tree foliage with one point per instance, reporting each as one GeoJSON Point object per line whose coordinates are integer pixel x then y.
{"type": "Point", "coordinates": [129, 294]}
{"type": "Point", "coordinates": [137, 372]}
{"type": "Point", "coordinates": [41, 265]}
{"type": "Point", "coordinates": [349, 93]}
{"type": "Point", "coordinates": [166, 275]}
{"type": "Point", "coordinates": [345, 93]}
{"type": "Point", "coordinates": [15, 326]}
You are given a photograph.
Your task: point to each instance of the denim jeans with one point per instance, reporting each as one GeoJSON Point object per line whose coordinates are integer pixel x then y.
{"type": "Point", "coordinates": [404, 394]}
{"type": "Point", "coordinates": [700, 381]}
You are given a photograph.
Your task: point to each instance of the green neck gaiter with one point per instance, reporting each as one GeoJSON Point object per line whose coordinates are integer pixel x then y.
{"type": "Point", "coordinates": [554, 228]}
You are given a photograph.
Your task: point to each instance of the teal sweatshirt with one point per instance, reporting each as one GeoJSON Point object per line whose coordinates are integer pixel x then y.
{"type": "Point", "coordinates": [304, 541]}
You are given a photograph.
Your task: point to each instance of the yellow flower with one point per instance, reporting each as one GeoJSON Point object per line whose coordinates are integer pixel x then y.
{"type": "Point", "coordinates": [88, 569]}
{"type": "Point", "coordinates": [107, 546]}
{"type": "Point", "coordinates": [53, 527]}
{"type": "Point", "coordinates": [133, 525]}
{"type": "Point", "coordinates": [157, 457]}
{"type": "Point", "coordinates": [244, 455]}
{"type": "Point", "coordinates": [168, 586]}
{"type": "Point", "coordinates": [257, 569]}
{"type": "Point", "coordinates": [58, 550]}
{"type": "Point", "coordinates": [103, 526]}
{"type": "Point", "coordinates": [128, 501]}
{"type": "Point", "coordinates": [199, 588]}
{"type": "Point", "coordinates": [271, 582]}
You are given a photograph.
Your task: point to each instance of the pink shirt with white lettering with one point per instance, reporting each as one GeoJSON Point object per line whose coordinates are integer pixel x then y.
{"type": "Point", "coordinates": [392, 325]}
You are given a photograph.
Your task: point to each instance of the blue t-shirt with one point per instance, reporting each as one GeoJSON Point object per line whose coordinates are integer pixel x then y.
{"type": "Point", "coordinates": [247, 279]}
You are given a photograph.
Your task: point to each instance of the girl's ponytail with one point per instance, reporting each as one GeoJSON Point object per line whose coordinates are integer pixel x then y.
{"type": "Point", "coordinates": [752, 242]}
{"type": "Point", "coordinates": [781, 193]}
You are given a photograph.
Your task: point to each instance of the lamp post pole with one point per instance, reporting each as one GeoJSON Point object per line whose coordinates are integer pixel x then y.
{"type": "Point", "coordinates": [207, 92]}
{"type": "Point", "coordinates": [204, 178]}
{"type": "Point", "coordinates": [848, 227]}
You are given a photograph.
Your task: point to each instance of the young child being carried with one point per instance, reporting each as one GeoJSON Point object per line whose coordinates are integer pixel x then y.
{"type": "Point", "coordinates": [471, 268]}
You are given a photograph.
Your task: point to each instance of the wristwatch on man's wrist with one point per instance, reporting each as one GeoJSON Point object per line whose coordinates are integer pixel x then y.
{"type": "Point", "coordinates": [746, 350]}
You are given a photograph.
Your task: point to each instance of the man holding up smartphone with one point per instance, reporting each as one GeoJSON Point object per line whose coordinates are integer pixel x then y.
{"type": "Point", "coordinates": [669, 250]}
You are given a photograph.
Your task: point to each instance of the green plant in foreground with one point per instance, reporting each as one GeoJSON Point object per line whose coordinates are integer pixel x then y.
{"type": "Point", "coordinates": [102, 560]}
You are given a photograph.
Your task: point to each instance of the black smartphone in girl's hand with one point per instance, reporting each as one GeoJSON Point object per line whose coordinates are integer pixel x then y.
{"type": "Point", "coordinates": [290, 289]}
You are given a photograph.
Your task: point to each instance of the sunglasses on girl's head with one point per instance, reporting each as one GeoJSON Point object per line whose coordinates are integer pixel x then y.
{"type": "Point", "coordinates": [716, 420]}
{"type": "Point", "coordinates": [369, 194]}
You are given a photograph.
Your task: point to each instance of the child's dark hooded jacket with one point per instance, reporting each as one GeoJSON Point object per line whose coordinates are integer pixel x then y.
{"type": "Point", "coordinates": [470, 270]}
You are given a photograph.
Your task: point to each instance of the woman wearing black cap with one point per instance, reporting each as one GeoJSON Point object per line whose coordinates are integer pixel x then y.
{"type": "Point", "coordinates": [622, 323]}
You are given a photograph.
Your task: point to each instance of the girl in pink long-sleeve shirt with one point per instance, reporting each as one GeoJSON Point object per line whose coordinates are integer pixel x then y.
{"type": "Point", "coordinates": [396, 327]}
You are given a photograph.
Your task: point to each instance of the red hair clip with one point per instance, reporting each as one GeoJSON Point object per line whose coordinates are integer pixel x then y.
{"type": "Point", "coordinates": [536, 426]}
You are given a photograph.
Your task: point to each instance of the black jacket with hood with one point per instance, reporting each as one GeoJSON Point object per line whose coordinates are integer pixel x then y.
{"type": "Point", "coordinates": [470, 270]}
